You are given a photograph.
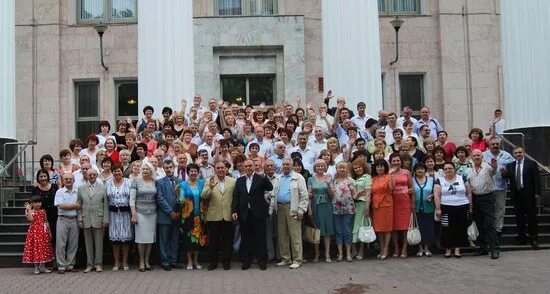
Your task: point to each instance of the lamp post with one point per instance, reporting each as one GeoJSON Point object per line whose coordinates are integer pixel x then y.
{"type": "Point", "coordinates": [100, 29]}
{"type": "Point", "coordinates": [396, 23]}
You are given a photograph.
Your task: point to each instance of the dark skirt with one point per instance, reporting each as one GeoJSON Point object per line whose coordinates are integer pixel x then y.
{"type": "Point", "coordinates": [454, 226]}
{"type": "Point", "coordinates": [426, 224]}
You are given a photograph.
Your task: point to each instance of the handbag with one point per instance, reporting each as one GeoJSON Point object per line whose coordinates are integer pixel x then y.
{"type": "Point", "coordinates": [311, 235]}
{"type": "Point", "coordinates": [366, 233]}
{"type": "Point", "coordinates": [413, 233]}
{"type": "Point", "coordinates": [473, 232]}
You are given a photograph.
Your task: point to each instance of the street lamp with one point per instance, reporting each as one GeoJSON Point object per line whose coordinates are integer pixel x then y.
{"type": "Point", "coordinates": [100, 29]}
{"type": "Point", "coordinates": [396, 23]}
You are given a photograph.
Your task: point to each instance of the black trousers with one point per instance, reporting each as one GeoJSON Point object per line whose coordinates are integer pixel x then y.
{"type": "Point", "coordinates": [253, 242]}
{"type": "Point", "coordinates": [220, 238]}
{"type": "Point", "coordinates": [526, 207]}
{"type": "Point", "coordinates": [484, 216]}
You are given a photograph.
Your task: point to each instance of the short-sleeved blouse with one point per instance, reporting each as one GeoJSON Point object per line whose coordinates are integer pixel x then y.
{"type": "Point", "coordinates": [342, 201]}
{"type": "Point", "coordinates": [453, 193]}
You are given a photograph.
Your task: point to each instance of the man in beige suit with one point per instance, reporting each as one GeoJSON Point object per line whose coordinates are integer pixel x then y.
{"type": "Point", "coordinates": [93, 218]}
{"type": "Point", "coordinates": [219, 190]}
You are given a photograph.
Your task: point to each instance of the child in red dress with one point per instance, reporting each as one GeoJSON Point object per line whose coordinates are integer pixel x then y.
{"type": "Point", "coordinates": [38, 249]}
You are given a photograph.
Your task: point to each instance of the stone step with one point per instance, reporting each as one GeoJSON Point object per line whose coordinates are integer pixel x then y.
{"type": "Point", "coordinates": [512, 228]}
{"type": "Point", "coordinates": [6, 247]}
{"type": "Point", "coordinates": [14, 227]}
{"type": "Point", "coordinates": [13, 236]}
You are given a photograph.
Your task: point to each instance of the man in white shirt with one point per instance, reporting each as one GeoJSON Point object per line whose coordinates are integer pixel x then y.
{"type": "Point", "coordinates": [66, 243]}
{"type": "Point", "coordinates": [388, 129]}
{"type": "Point", "coordinates": [319, 142]}
{"type": "Point", "coordinates": [208, 145]}
{"type": "Point", "coordinates": [482, 184]}
{"type": "Point", "coordinates": [407, 115]}
{"type": "Point", "coordinates": [425, 119]}
{"type": "Point", "coordinates": [277, 158]}
{"type": "Point", "coordinates": [497, 123]}
{"type": "Point", "coordinates": [81, 177]}
{"type": "Point", "coordinates": [361, 118]}
{"type": "Point", "coordinates": [324, 120]}
{"type": "Point", "coordinates": [206, 170]}
{"type": "Point", "coordinates": [266, 147]}
{"type": "Point", "coordinates": [308, 155]}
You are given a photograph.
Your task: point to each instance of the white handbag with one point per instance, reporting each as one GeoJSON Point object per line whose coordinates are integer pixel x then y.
{"type": "Point", "coordinates": [366, 233]}
{"type": "Point", "coordinates": [473, 232]}
{"type": "Point", "coordinates": [413, 234]}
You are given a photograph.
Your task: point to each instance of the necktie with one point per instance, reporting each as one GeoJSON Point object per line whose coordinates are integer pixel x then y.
{"type": "Point", "coordinates": [518, 175]}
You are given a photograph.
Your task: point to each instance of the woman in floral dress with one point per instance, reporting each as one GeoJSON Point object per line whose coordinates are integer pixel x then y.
{"type": "Point", "coordinates": [192, 215]}
{"type": "Point", "coordinates": [343, 208]}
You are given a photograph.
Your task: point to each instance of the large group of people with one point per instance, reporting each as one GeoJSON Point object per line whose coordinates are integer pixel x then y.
{"type": "Point", "coordinates": [227, 178]}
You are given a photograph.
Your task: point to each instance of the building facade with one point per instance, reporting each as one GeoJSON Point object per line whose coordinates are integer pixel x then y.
{"type": "Point", "coordinates": [249, 51]}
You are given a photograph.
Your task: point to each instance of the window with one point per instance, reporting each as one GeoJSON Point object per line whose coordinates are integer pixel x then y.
{"type": "Point", "coordinates": [246, 7]}
{"type": "Point", "coordinates": [399, 7]}
{"type": "Point", "coordinates": [412, 91]}
{"type": "Point", "coordinates": [87, 109]}
{"type": "Point", "coordinates": [127, 100]}
{"type": "Point", "coordinates": [107, 11]}
{"type": "Point", "coordinates": [248, 90]}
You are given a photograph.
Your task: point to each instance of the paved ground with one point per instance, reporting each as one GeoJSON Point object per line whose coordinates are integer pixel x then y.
{"type": "Point", "coordinates": [515, 272]}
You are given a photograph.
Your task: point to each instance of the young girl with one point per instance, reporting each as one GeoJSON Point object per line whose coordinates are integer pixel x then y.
{"type": "Point", "coordinates": [38, 249]}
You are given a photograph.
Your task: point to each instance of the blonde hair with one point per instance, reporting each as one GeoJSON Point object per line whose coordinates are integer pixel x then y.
{"type": "Point", "coordinates": [151, 170]}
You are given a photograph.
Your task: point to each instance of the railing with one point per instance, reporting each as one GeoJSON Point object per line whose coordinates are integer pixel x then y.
{"type": "Point", "coordinates": [18, 170]}
{"type": "Point", "coordinates": [509, 143]}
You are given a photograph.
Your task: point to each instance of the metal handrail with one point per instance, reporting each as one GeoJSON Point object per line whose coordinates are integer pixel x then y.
{"type": "Point", "coordinates": [22, 155]}
{"type": "Point", "coordinates": [514, 134]}
{"type": "Point", "coordinates": [540, 165]}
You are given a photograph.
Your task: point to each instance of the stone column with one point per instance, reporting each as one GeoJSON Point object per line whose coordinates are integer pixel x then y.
{"type": "Point", "coordinates": [351, 52]}
{"type": "Point", "coordinates": [166, 71]}
{"type": "Point", "coordinates": [7, 69]}
{"type": "Point", "coordinates": [525, 60]}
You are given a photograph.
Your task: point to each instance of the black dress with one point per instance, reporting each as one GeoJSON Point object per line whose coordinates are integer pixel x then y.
{"type": "Point", "coordinates": [48, 198]}
{"type": "Point", "coordinates": [119, 140]}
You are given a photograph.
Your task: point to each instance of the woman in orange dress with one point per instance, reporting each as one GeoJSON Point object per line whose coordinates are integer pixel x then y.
{"type": "Point", "coordinates": [382, 205]}
{"type": "Point", "coordinates": [403, 204]}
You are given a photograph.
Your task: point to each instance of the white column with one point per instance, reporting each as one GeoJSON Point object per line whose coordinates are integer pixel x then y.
{"type": "Point", "coordinates": [7, 69]}
{"type": "Point", "coordinates": [166, 72]}
{"type": "Point", "coordinates": [525, 62]}
{"type": "Point", "coordinates": [351, 52]}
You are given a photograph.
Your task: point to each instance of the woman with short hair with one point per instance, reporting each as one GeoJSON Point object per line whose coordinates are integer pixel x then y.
{"type": "Point", "coordinates": [453, 205]}
{"type": "Point", "coordinates": [404, 203]}
{"type": "Point", "coordinates": [343, 209]}
{"type": "Point", "coordinates": [320, 193]}
{"type": "Point", "coordinates": [46, 163]}
{"type": "Point", "coordinates": [193, 212]}
{"type": "Point", "coordinates": [120, 226]}
{"type": "Point", "coordinates": [425, 207]}
{"type": "Point", "coordinates": [360, 172]}
{"type": "Point", "coordinates": [382, 205]}
{"type": "Point", "coordinates": [92, 149]}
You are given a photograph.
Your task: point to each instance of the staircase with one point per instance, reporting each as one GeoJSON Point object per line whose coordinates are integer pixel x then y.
{"type": "Point", "coordinates": [13, 231]}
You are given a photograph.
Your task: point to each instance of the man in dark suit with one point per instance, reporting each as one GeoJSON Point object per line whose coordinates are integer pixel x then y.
{"type": "Point", "coordinates": [524, 180]}
{"type": "Point", "coordinates": [250, 208]}
{"type": "Point", "coordinates": [168, 216]}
